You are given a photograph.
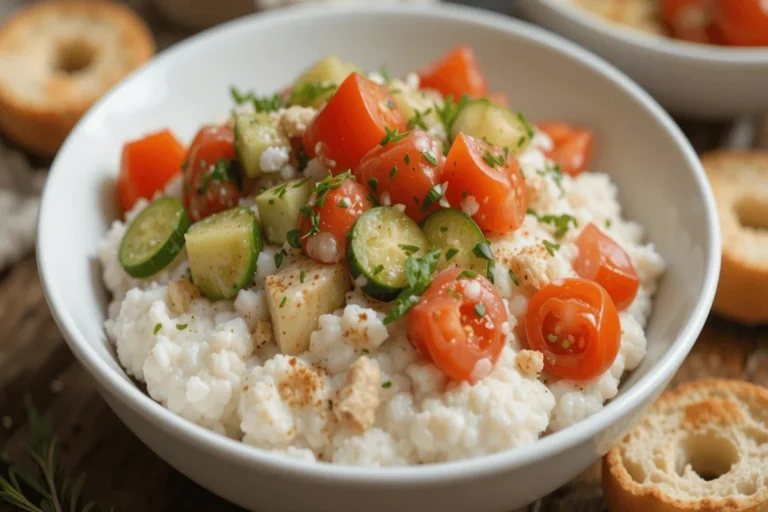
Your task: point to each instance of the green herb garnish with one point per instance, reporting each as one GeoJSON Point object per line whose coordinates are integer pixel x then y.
{"type": "Point", "coordinates": [294, 238]}
{"type": "Point", "coordinates": [551, 247]}
{"type": "Point", "coordinates": [409, 249]}
{"type": "Point", "coordinates": [157, 328]}
{"type": "Point", "coordinates": [433, 196]}
{"type": "Point", "coordinates": [450, 253]}
{"type": "Point", "coordinates": [310, 91]}
{"type": "Point", "coordinates": [513, 277]}
{"type": "Point", "coordinates": [480, 310]}
{"type": "Point", "coordinates": [181, 327]}
{"type": "Point", "coordinates": [282, 302]}
{"type": "Point", "coordinates": [392, 136]}
{"type": "Point", "coordinates": [418, 274]}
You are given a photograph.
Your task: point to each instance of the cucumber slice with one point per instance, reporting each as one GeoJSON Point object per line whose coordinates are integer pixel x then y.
{"type": "Point", "coordinates": [222, 251]}
{"type": "Point", "coordinates": [497, 125]}
{"type": "Point", "coordinates": [410, 102]}
{"type": "Point", "coordinates": [456, 235]}
{"type": "Point", "coordinates": [254, 133]}
{"type": "Point", "coordinates": [330, 70]}
{"type": "Point", "coordinates": [154, 238]}
{"type": "Point", "coordinates": [279, 208]}
{"type": "Point", "coordinates": [379, 243]}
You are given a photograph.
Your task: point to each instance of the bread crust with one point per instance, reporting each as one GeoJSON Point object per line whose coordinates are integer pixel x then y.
{"type": "Point", "coordinates": [29, 42]}
{"type": "Point", "coordinates": [743, 287]}
{"type": "Point", "coordinates": [625, 494]}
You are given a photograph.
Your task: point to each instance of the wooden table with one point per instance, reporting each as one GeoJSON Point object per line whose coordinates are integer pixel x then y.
{"type": "Point", "coordinates": [125, 474]}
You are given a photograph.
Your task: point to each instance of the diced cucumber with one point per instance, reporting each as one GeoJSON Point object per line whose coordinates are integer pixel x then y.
{"type": "Point", "coordinates": [410, 102]}
{"type": "Point", "coordinates": [254, 133]}
{"type": "Point", "coordinates": [279, 208]}
{"type": "Point", "coordinates": [379, 243]}
{"type": "Point", "coordinates": [497, 125]}
{"type": "Point", "coordinates": [154, 238]}
{"type": "Point", "coordinates": [329, 71]}
{"type": "Point", "coordinates": [222, 251]}
{"type": "Point", "coordinates": [456, 235]}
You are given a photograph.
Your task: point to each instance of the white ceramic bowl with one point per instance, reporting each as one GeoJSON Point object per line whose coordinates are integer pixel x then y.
{"type": "Point", "coordinates": [692, 80]}
{"type": "Point", "coordinates": [662, 185]}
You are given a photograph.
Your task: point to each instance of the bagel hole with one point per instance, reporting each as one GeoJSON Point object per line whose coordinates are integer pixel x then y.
{"type": "Point", "coordinates": [709, 455]}
{"type": "Point", "coordinates": [74, 55]}
{"type": "Point", "coordinates": [752, 213]}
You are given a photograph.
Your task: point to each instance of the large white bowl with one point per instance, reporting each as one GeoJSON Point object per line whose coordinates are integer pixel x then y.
{"type": "Point", "coordinates": [692, 80]}
{"type": "Point", "coordinates": [662, 185]}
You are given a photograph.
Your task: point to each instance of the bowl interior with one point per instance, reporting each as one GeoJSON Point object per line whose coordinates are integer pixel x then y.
{"type": "Point", "coordinates": [661, 183]}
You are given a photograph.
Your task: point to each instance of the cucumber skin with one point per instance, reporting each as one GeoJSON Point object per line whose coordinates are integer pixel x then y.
{"type": "Point", "coordinates": [148, 269]}
{"type": "Point", "coordinates": [442, 263]}
{"type": "Point", "coordinates": [250, 162]}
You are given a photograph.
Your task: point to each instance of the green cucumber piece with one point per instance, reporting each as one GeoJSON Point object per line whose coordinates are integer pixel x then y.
{"type": "Point", "coordinates": [279, 208]}
{"type": "Point", "coordinates": [379, 243]}
{"type": "Point", "coordinates": [497, 125]}
{"type": "Point", "coordinates": [222, 251]}
{"type": "Point", "coordinates": [329, 71]}
{"type": "Point", "coordinates": [154, 238]}
{"type": "Point", "coordinates": [254, 133]}
{"type": "Point", "coordinates": [456, 235]}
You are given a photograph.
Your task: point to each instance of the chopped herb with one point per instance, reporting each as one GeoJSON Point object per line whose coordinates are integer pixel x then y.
{"type": "Point", "coordinates": [513, 277]}
{"type": "Point", "coordinates": [314, 220]}
{"type": "Point", "coordinates": [608, 223]}
{"type": "Point", "coordinates": [417, 121]}
{"type": "Point", "coordinates": [493, 160]}
{"type": "Point", "coordinates": [365, 351]}
{"type": "Point", "coordinates": [480, 309]}
{"type": "Point", "coordinates": [378, 270]}
{"type": "Point", "coordinates": [157, 328]}
{"type": "Point", "coordinates": [456, 295]}
{"type": "Point", "coordinates": [294, 238]}
{"type": "Point", "coordinates": [450, 253]}
{"type": "Point", "coordinates": [483, 250]}
{"type": "Point", "coordinates": [451, 111]}
{"type": "Point", "coordinates": [556, 171]}
{"type": "Point", "coordinates": [310, 91]}
{"type": "Point", "coordinates": [222, 171]}
{"type": "Point", "coordinates": [186, 187]}
{"type": "Point", "coordinates": [282, 302]}
{"type": "Point", "coordinates": [281, 190]}
{"type": "Point", "coordinates": [464, 194]}
{"type": "Point", "coordinates": [185, 166]}
{"type": "Point", "coordinates": [409, 249]}
{"type": "Point", "coordinates": [561, 222]}
{"type": "Point", "coordinates": [373, 200]}
{"type": "Point", "coordinates": [331, 182]}
{"type": "Point", "coordinates": [418, 274]}
{"type": "Point", "coordinates": [302, 276]}
{"type": "Point", "coordinates": [384, 72]}
{"type": "Point", "coordinates": [433, 196]}
{"type": "Point", "coordinates": [393, 171]}
{"type": "Point", "coordinates": [415, 199]}
{"type": "Point", "coordinates": [390, 105]}
{"type": "Point", "coordinates": [551, 338]}
{"type": "Point", "coordinates": [374, 184]}
{"type": "Point", "coordinates": [526, 124]}
{"type": "Point", "coordinates": [260, 104]}
{"type": "Point", "coordinates": [443, 229]}
{"type": "Point", "coordinates": [301, 183]}
{"type": "Point", "coordinates": [467, 274]}
{"type": "Point", "coordinates": [407, 159]}
{"type": "Point", "coordinates": [279, 257]}
{"type": "Point", "coordinates": [302, 158]}
{"type": "Point", "coordinates": [271, 201]}
{"type": "Point", "coordinates": [392, 136]}
{"type": "Point", "coordinates": [343, 203]}
{"type": "Point", "coordinates": [429, 157]}
{"type": "Point", "coordinates": [387, 385]}
{"type": "Point", "coordinates": [181, 327]}
{"type": "Point", "coordinates": [506, 151]}
{"type": "Point", "coordinates": [551, 248]}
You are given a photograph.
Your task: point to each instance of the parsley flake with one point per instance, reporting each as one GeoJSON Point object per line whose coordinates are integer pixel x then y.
{"type": "Point", "coordinates": [157, 328]}
{"type": "Point", "coordinates": [181, 327]}
{"type": "Point", "coordinates": [551, 338]}
{"type": "Point", "coordinates": [374, 184]}
{"type": "Point", "coordinates": [392, 136]}
{"type": "Point", "coordinates": [343, 203]}
{"type": "Point", "coordinates": [429, 157]}
{"type": "Point", "coordinates": [433, 196]}
{"type": "Point", "coordinates": [418, 274]}
{"type": "Point", "coordinates": [467, 274]}
{"type": "Point", "coordinates": [450, 111]}
{"type": "Point", "coordinates": [387, 385]}
{"type": "Point", "coordinates": [513, 277]}
{"type": "Point", "coordinates": [450, 253]}
{"type": "Point", "coordinates": [294, 238]}
{"type": "Point", "coordinates": [407, 159]}
{"type": "Point", "coordinates": [480, 309]}
{"type": "Point", "coordinates": [302, 276]}
{"type": "Point", "coordinates": [456, 295]}
{"type": "Point", "coordinates": [551, 247]}
{"type": "Point", "coordinates": [409, 249]}
{"type": "Point", "coordinates": [282, 302]}
{"type": "Point", "coordinates": [378, 270]}
{"type": "Point", "coordinates": [392, 172]}
{"type": "Point", "coordinates": [279, 257]}
{"type": "Point", "coordinates": [310, 91]}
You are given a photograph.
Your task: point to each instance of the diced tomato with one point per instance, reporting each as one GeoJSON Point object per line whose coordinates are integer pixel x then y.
{"type": "Point", "coordinates": [353, 121]}
{"type": "Point", "coordinates": [688, 19]}
{"type": "Point", "coordinates": [572, 146]}
{"type": "Point", "coordinates": [404, 172]}
{"type": "Point", "coordinates": [458, 324]}
{"type": "Point", "coordinates": [207, 188]}
{"type": "Point", "coordinates": [486, 184]}
{"type": "Point", "coordinates": [457, 73]}
{"type": "Point", "coordinates": [742, 22]}
{"type": "Point", "coordinates": [575, 325]}
{"type": "Point", "coordinates": [324, 226]}
{"type": "Point", "coordinates": [499, 98]}
{"type": "Point", "coordinates": [147, 165]}
{"type": "Point", "coordinates": [602, 260]}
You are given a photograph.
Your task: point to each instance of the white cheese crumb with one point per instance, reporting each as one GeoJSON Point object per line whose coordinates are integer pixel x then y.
{"type": "Point", "coordinates": [386, 199]}
{"type": "Point", "coordinates": [399, 207]}
{"type": "Point", "coordinates": [288, 172]}
{"type": "Point", "coordinates": [274, 158]}
{"type": "Point", "coordinates": [412, 80]}
{"type": "Point", "coordinates": [361, 281]}
{"type": "Point", "coordinates": [472, 290]}
{"type": "Point", "coordinates": [481, 370]}
{"type": "Point", "coordinates": [323, 247]}
{"type": "Point", "coordinates": [469, 206]}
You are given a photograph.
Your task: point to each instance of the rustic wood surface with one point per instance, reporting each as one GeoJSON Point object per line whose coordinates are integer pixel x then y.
{"type": "Point", "coordinates": [123, 473]}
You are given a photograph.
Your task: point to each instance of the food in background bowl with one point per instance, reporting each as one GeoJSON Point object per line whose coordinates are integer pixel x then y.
{"type": "Point", "coordinates": [723, 22]}
{"type": "Point", "coordinates": [377, 271]}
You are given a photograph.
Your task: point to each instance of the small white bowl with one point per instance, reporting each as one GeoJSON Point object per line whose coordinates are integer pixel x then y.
{"type": "Point", "coordinates": [661, 181]}
{"type": "Point", "coordinates": [691, 80]}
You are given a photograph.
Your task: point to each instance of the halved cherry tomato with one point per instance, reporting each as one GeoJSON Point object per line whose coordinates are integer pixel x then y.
{"type": "Point", "coordinates": [742, 22]}
{"type": "Point", "coordinates": [147, 165]}
{"type": "Point", "coordinates": [404, 172]}
{"type": "Point", "coordinates": [457, 73]}
{"type": "Point", "coordinates": [325, 224]}
{"type": "Point", "coordinates": [602, 260]}
{"type": "Point", "coordinates": [486, 184]}
{"type": "Point", "coordinates": [353, 121]}
{"type": "Point", "coordinates": [572, 146]}
{"type": "Point", "coordinates": [458, 325]}
{"type": "Point", "coordinates": [206, 191]}
{"type": "Point", "coordinates": [689, 20]}
{"type": "Point", "coordinates": [575, 325]}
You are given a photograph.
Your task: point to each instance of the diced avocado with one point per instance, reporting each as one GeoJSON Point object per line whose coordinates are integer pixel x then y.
{"type": "Point", "coordinates": [279, 208]}
{"type": "Point", "coordinates": [298, 295]}
{"type": "Point", "coordinates": [329, 71]}
{"type": "Point", "coordinates": [497, 125]}
{"type": "Point", "coordinates": [254, 133]}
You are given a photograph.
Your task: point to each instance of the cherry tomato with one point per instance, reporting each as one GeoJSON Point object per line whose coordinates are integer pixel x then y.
{"type": "Point", "coordinates": [485, 184]}
{"type": "Point", "coordinates": [572, 147]}
{"type": "Point", "coordinates": [575, 325]}
{"type": "Point", "coordinates": [457, 73]}
{"type": "Point", "coordinates": [206, 189]}
{"type": "Point", "coordinates": [604, 261]}
{"type": "Point", "coordinates": [353, 121]}
{"type": "Point", "coordinates": [689, 20]}
{"type": "Point", "coordinates": [325, 224]}
{"type": "Point", "coordinates": [147, 165]}
{"type": "Point", "coordinates": [742, 22]}
{"type": "Point", "coordinates": [404, 172]}
{"type": "Point", "coordinates": [458, 324]}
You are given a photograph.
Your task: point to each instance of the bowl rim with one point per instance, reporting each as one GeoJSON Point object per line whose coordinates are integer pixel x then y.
{"type": "Point", "coordinates": [130, 396]}
{"type": "Point", "coordinates": [659, 44]}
